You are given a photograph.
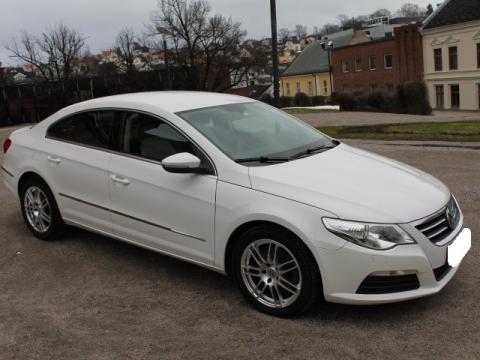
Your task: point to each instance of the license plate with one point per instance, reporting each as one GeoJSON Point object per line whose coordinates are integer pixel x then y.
{"type": "Point", "coordinates": [459, 248]}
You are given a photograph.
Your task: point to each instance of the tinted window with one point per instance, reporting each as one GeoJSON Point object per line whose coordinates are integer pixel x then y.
{"type": "Point", "coordinates": [87, 128]}
{"type": "Point", "coordinates": [152, 138]}
{"type": "Point", "coordinates": [90, 129]}
{"type": "Point", "coordinates": [61, 129]}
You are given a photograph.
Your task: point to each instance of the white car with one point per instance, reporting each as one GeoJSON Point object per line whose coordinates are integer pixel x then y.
{"type": "Point", "coordinates": [244, 189]}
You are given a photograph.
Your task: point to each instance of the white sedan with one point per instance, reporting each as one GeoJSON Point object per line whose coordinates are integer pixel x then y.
{"type": "Point", "coordinates": [241, 188]}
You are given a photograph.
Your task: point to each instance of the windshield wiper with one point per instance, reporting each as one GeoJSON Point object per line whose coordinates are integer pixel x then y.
{"type": "Point", "coordinates": [263, 159]}
{"type": "Point", "coordinates": [313, 150]}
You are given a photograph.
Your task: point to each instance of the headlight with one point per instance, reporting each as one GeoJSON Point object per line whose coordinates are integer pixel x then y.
{"type": "Point", "coordinates": [372, 236]}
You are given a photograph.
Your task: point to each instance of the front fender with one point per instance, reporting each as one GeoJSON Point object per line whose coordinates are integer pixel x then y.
{"type": "Point", "coordinates": [237, 205]}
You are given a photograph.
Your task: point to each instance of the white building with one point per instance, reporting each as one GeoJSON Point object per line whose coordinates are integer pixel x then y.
{"type": "Point", "coordinates": [451, 53]}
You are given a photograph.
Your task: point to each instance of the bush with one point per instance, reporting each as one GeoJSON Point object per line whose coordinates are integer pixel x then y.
{"type": "Point", "coordinates": [377, 101]}
{"type": "Point", "coordinates": [347, 102]}
{"type": "Point", "coordinates": [318, 100]}
{"type": "Point", "coordinates": [412, 98]}
{"type": "Point", "coordinates": [285, 101]}
{"type": "Point", "coordinates": [301, 99]}
{"type": "Point", "coordinates": [267, 99]}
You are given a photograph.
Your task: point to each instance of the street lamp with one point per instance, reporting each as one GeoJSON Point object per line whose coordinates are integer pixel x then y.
{"type": "Point", "coordinates": [276, 82]}
{"type": "Point", "coordinates": [163, 31]}
{"type": "Point", "coordinates": [328, 47]}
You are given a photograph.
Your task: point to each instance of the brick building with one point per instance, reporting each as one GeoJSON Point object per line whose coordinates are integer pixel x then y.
{"type": "Point", "coordinates": [380, 64]}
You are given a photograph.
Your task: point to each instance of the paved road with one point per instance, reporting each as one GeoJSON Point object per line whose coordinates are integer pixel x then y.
{"type": "Point", "coordinates": [91, 297]}
{"type": "Point", "coordinates": [366, 118]}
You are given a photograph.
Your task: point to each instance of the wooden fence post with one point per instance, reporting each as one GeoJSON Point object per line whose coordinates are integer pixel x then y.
{"type": "Point", "coordinates": [35, 103]}
{"type": "Point", "coordinates": [79, 94]}
{"type": "Point", "coordinates": [91, 88]}
{"type": "Point", "coordinates": [22, 104]}
{"type": "Point", "coordinates": [7, 107]}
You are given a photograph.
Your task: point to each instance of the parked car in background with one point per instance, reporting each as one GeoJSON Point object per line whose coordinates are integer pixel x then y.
{"type": "Point", "coordinates": [242, 188]}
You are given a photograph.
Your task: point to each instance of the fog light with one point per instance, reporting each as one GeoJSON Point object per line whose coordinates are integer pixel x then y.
{"type": "Point", "coordinates": [393, 273]}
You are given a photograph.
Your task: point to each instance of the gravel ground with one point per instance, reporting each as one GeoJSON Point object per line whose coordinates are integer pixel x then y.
{"type": "Point", "coordinates": [365, 118]}
{"type": "Point", "coordinates": [89, 297]}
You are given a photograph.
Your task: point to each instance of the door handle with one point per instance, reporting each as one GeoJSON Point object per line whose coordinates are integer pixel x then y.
{"type": "Point", "coordinates": [119, 180]}
{"type": "Point", "coordinates": [53, 159]}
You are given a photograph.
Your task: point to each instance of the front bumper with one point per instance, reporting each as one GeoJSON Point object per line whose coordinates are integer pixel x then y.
{"type": "Point", "coordinates": [344, 270]}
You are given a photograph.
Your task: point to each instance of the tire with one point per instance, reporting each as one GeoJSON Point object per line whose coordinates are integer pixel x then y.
{"type": "Point", "coordinates": [271, 287]}
{"type": "Point", "coordinates": [38, 198]}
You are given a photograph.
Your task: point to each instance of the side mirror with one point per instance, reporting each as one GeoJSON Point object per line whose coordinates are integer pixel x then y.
{"type": "Point", "coordinates": [183, 163]}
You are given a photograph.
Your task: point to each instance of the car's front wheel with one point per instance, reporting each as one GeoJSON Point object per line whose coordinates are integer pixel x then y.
{"type": "Point", "coordinates": [40, 210]}
{"type": "Point", "coordinates": [275, 271]}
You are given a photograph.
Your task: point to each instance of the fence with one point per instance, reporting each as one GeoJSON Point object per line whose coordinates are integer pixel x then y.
{"type": "Point", "coordinates": [31, 103]}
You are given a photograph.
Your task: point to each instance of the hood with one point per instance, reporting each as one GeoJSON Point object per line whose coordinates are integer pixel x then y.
{"type": "Point", "coordinates": [355, 184]}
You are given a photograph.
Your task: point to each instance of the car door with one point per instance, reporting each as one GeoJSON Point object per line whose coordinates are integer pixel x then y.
{"type": "Point", "coordinates": [155, 208]}
{"type": "Point", "coordinates": [77, 156]}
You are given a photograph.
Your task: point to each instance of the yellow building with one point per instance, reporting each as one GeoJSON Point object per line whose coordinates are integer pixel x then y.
{"type": "Point", "coordinates": [308, 73]}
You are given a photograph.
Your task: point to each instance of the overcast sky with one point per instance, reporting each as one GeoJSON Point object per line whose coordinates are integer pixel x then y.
{"type": "Point", "coordinates": [101, 20]}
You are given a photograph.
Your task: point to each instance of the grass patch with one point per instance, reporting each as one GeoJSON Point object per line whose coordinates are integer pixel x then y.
{"type": "Point", "coordinates": [449, 131]}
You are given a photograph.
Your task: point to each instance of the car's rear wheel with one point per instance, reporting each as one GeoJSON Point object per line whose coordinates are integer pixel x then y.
{"type": "Point", "coordinates": [275, 271]}
{"type": "Point", "coordinates": [40, 210]}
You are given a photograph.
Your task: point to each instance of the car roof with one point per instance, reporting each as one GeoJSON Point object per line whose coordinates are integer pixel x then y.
{"type": "Point", "coordinates": [170, 101]}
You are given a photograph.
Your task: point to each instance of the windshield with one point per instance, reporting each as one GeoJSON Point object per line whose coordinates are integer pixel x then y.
{"type": "Point", "coordinates": [254, 130]}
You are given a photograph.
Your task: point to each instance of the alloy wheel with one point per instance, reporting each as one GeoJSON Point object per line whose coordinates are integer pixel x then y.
{"type": "Point", "coordinates": [271, 273]}
{"type": "Point", "coordinates": [37, 209]}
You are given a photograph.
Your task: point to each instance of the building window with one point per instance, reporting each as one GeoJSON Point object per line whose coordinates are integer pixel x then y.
{"type": "Point", "coordinates": [347, 89]}
{"type": "Point", "coordinates": [299, 89]}
{"type": "Point", "coordinates": [389, 88]}
{"type": "Point", "coordinates": [287, 86]}
{"type": "Point", "coordinates": [478, 55]}
{"type": "Point", "coordinates": [388, 61]}
{"type": "Point", "coordinates": [310, 88]}
{"type": "Point", "coordinates": [437, 56]}
{"type": "Point", "coordinates": [325, 86]}
{"type": "Point", "coordinates": [345, 66]}
{"type": "Point", "coordinates": [440, 96]}
{"type": "Point", "coordinates": [358, 64]}
{"type": "Point", "coordinates": [478, 95]}
{"type": "Point", "coordinates": [372, 62]}
{"type": "Point", "coordinates": [373, 87]}
{"type": "Point", "coordinates": [453, 57]}
{"type": "Point", "coordinates": [455, 96]}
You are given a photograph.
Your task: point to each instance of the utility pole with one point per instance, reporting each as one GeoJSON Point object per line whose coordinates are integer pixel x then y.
{"type": "Point", "coordinates": [276, 82]}
{"type": "Point", "coordinates": [328, 47]}
{"type": "Point", "coordinates": [164, 32]}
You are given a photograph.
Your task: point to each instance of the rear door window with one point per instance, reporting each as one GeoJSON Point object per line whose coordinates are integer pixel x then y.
{"type": "Point", "coordinates": [88, 128]}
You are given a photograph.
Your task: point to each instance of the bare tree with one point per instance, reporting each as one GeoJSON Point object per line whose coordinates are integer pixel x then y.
{"type": "Point", "coordinates": [411, 10]}
{"type": "Point", "coordinates": [283, 33]}
{"type": "Point", "coordinates": [300, 31]}
{"type": "Point", "coordinates": [53, 53]}
{"type": "Point", "coordinates": [206, 47]}
{"type": "Point", "coordinates": [330, 29]}
{"type": "Point", "coordinates": [125, 45]}
{"type": "Point", "coordinates": [349, 22]}
{"type": "Point", "coordinates": [380, 13]}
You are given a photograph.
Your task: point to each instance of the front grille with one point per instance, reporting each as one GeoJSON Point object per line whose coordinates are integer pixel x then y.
{"type": "Point", "coordinates": [441, 271]}
{"type": "Point", "coordinates": [388, 284]}
{"type": "Point", "coordinates": [441, 225]}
